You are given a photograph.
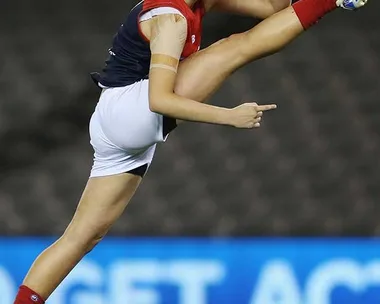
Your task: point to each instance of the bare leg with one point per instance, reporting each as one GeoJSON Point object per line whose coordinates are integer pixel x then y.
{"type": "Point", "coordinates": [200, 75]}
{"type": "Point", "coordinates": [103, 201]}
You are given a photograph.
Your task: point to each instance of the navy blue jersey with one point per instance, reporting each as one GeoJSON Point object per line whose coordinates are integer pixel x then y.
{"type": "Point", "coordinates": [129, 57]}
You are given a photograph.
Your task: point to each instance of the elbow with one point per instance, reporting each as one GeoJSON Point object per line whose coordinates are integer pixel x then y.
{"type": "Point", "coordinates": [154, 105]}
{"type": "Point", "coordinates": [157, 103]}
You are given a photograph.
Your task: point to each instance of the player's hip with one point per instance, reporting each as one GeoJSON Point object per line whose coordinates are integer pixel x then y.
{"type": "Point", "coordinates": [123, 117]}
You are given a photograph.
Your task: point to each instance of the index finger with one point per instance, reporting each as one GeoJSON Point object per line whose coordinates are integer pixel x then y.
{"type": "Point", "coordinates": [266, 107]}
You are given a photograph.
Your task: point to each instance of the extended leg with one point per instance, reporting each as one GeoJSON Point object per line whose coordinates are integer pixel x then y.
{"type": "Point", "coordinates": [103, 201]}
{"type": "Point", "coordinates": [202, 74]}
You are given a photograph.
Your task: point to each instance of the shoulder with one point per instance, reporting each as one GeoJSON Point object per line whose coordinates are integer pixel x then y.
{"type": "Point", "coordinates": [168, 26]}
{"type": "Point", "coordinates": [172, 19]}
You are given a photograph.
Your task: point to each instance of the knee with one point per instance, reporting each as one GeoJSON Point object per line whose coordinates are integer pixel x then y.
{"type": "Point", "coordinates": [242, 48]}
{"type": "Point", "coordinates": [84, 240]}
{"type": "Point", "coordinates": [232, 39]}
{"type": "Point", "coordinates": [231, 50]}
{"type": "Point", "coordinates": [95, 240]}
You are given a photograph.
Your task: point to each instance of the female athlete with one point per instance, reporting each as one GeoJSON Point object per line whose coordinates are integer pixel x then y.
{"type": "Point", "coordinates": [147, 85]}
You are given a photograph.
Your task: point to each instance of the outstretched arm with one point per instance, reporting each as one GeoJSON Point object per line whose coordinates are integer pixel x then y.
{"type": "Point", "coordinates": [168, 35]}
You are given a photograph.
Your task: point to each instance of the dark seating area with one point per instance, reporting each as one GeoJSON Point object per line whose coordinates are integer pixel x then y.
{"type": "Point", "coordinates": [312, 169]}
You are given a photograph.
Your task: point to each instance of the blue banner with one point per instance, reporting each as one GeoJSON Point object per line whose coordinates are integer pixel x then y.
{"type": "Point", "coordinates": [203, 271]}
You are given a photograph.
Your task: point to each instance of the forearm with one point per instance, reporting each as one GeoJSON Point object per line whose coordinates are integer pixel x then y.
{"type": "Point", "coordinates": [182, 108]}
{"type": "Point", "coordinates": [164, 101]}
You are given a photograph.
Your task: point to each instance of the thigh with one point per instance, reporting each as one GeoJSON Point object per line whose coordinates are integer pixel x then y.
{"type": "Point", "coordinates": [200, 75]}
{"type": "Point", "coordinates": [103, 201]}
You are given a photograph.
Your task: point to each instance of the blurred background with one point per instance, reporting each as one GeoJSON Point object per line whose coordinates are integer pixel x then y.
{"type": "Point", "coordinates": [312, 170]}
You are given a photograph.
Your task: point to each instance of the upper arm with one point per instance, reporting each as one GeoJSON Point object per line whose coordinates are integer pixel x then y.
{"type": "Point", "coordinates": [168, 36]}
{"type": "Point", "coordinates": [255, 8]}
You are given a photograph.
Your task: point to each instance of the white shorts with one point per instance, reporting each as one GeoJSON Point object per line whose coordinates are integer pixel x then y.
{"type": "Point", "coordinates": [123, 130]}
